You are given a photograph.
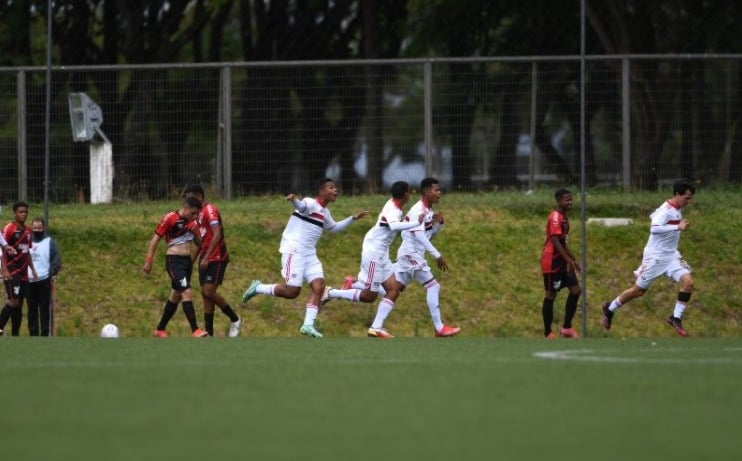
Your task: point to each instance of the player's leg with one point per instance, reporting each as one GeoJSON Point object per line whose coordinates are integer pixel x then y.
{"type": "Point", "coordinates": [45, 307]}
{"type": "Point", "coordinates": [432, 294]}
{"type": "Point", "coordinates": [373, 273]}
{"type": "Point", "coordinates": [570, 306]}
{"type": "Point", "coordinates": [547, 305]}
{"type": "Point", "coordinates": [313, 273]}
{"type": "Point", "coordinates": [681, 273]}
{"type": "Point", "coordinates": [393, 286]}
{"type": "Point", "coordinates": [292, 273]}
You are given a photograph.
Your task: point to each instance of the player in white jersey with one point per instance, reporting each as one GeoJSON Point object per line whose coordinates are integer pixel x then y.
{"type": "Point", "coordinates": [376, 272]}
{"type": "Point", "coordinates": [661, 257]}
{"type": "Point", "coordinates": [298, 249]}
{"type": "Point", "coordinates": [411, 264]}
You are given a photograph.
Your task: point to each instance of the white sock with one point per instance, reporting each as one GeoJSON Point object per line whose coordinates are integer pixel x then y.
{"type": "Point", "coordinates": [310, 314]}
{"type": "Point", "coordinates": [266, 289]}
{"type": "Point", "coordinates": [385, 307]}
{"type": "Point", "coordinates": [615, 304]}
{"type": "Point", "coordinates": [679, 309]}
{"type": "Point", "coordinates": [432, 295]}
{"type": "Point", "coordinates": [350, 295]}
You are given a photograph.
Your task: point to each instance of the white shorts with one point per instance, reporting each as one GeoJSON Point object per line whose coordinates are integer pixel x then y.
{"type": "Point", "coordinates": [374, 271]}
{"type": "Point", "coordinates": [299, 268]}
{"type": "Point", "coordinates": [652, 269]}
{"type": "Point", "coordinates": [412, 267]}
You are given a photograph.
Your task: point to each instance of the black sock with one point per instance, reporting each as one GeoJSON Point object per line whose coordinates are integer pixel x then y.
{"type": "Point", "coordinates": [209, 322]}
{"type": "Point", "coordinates": [167, 314]}
{"type": "Point", "coordinates": [570, 309]}
{"type": "Point", "coordinates": [4, 315]}
{"type": "Point", "coordinates": [547, 310]}
{"type": "Point", "coordinates": [16, 317]}
{"type": "Point", "coordinates": [229, 312]}
{"type": "Point", "coordinates": [190, 314]}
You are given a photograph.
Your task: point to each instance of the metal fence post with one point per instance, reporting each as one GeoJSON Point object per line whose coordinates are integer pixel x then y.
{"type": "Point", "coordinates": [22, 136]}
{"type": "Point", "coordinates": [224, 137]}
{"type": "Point", "coordinates": [626, 123]}
{"type": "Point", "coordinates": [428, 105]}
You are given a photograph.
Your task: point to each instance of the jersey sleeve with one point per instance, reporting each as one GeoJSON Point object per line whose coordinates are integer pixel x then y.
{"type": "Point", "coordinates": [554, 226]}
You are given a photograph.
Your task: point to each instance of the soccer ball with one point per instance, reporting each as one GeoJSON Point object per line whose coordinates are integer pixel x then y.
{"type": "Point", "coordinates": [109, 330]}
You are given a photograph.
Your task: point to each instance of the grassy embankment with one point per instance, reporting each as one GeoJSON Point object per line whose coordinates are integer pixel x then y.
{"type": "Point", "coordinates": [492, 242]}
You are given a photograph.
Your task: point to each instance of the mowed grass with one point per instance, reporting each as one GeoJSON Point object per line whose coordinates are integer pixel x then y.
{"type": "Point", "coordinates": [359, 399]}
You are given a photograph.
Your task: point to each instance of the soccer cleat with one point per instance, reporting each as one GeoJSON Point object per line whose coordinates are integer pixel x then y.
{"type": "Point", "coordinates": [348, 282]}
{"type": "Point", "coordinates": [447, 331]}
{"type": "Point", "coordinates": [251, 291]}
{"type": "Point", "coordinates": [199, 333]}
{"type": "Point", "coordinates": [607, 318]}
{"type": "Point", "coordinates": [568, 333]}
{"type": "Point", "coordinates": [379, 333]}
{"type": "Point", "coordinates": [309, 330]}
{"type": "Point", "coordinates": [160, 334]}
{"type": "Point", "coordinates": [234, 328]}
{"type": "Point", "coordinates": [1, 332]}
{"type": "Point", "coordinates": [551, 335]}
{"type": "Point", "coordinates": [677, 324]}
{"type": "Point", "coordinates": [325, 296]}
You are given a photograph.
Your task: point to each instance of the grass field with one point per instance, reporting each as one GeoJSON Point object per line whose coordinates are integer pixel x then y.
{"type": "Point", "coordinates": [358, 399]}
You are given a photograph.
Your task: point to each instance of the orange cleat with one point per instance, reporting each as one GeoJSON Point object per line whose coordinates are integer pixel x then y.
{"type": "Point", "coordinates": [551, 335]}
{"type": "Point", "coordinates": [379, 333]}
{"type": "Point", "coordinates": [160, 334]}
{"type": "Point", "coordinates": [568, 333]}
{"type": "Point", "coordinates": [199, 333]}
{"type": "Point", "coordinates": [348, 282]}
{"type": "Point", "coordinates": [447, 331]}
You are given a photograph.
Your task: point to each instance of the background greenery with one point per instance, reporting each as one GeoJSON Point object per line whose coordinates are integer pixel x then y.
{"type": "Point", "coordinates": [491, 240]}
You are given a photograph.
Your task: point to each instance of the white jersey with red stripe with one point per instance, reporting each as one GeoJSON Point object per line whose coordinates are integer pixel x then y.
{"type": "Point", "coordinates": [664, 233]}
{"type": "Point", "coordinates": [379, 238]}
{"type": "Point", "coordinates": [306, 224]}
{"type": "Point", "coordinates": [416, 241]}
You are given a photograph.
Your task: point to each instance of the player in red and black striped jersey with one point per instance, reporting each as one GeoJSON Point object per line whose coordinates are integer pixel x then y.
{"type": "Point", "coordinates": [15, 267]}
{"type": "Point", "coordinates": [213, 259]}
{"type": "Point", "coordinates": [178, 228]}
{"type": "Point", "coordinates": [559, 267]}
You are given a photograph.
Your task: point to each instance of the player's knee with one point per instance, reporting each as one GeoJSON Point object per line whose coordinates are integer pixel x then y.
{"type": "Point", "coordinates": [291, 292]}
{"type": "Point", "coordinates": [686, 283]}
{"type": "Point", "coordinates": [367, 296]}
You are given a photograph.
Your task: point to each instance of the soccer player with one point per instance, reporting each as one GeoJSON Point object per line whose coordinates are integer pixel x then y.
{"type": "Point", "coordinates": [298, 250]}
{"type": "Point", "coordinates": [376, 267]}
{"type": "Point", "coordinates": [559, 267]}
{"type": "Point", "coordinates": [411, 264]}
{"type": "Point", "coordinates": [661, 257]}
{"type": "Point", "coordinates": [213, 261]}
{"type": "Point", "coordinates": [15, 267]}
{"type": "Point", "coordinates": [178, 229]}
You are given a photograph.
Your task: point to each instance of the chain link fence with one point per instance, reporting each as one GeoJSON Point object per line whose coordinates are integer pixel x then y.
{"type": "Point", "coordinates": [477, 124]}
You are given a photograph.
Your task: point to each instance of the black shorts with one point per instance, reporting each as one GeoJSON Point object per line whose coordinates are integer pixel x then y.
{"type": "Point", "coordinates": [213, 274]}
{"type": "Point", "coordinates": [16, 288]}
{"type": "Point", "coordinates": [558, 280]}
{"type": "Point", "coordinates": [179, 268]}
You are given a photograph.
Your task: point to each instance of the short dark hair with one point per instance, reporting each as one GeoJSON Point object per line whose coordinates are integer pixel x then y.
{"type": "Point", "coordinates": [192, 202]}
{"type": "Point", "coordinates": [194, 189]}
{"type": "Point", "coordinates": [400, 188]}
{"type": "Point", "coordinates": [681, 186]}
{"type": "Point", "coordinates": [17, 205]}
{"type": "Point", "coordinates": [427, 183]}
{"type": "Point", "coordinates": [321, 183]}
{"type": "Point", "coordinates": [561, 193]}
